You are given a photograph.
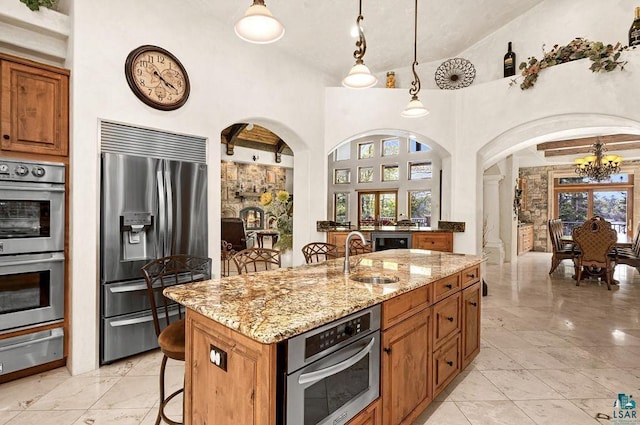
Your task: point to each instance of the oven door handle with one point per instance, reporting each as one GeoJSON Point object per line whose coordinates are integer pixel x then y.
{"type": "Point", "coordinates": [35, 189]}
{"type": "Point", "coordinates": [311, 377]}
{"type": "Point", "coordinates": [30, 342]}
{"type": "Point", "coordinates": [52, 259]}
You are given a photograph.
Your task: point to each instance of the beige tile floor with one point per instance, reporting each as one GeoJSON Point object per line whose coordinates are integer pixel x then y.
{"type": "Point", "coordinates": [552, 353]}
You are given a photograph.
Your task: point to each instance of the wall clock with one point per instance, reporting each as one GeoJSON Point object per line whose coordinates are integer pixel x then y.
{"type": "Point", "coordinates": [157, 77]}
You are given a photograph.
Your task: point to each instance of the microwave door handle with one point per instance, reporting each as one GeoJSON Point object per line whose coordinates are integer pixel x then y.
{"type": "Point", "coordinates": [34, 189]}
{"type": "Point", "coordinates": [312, 377]}
{"type": "Point", "coordinates": [162, 207]}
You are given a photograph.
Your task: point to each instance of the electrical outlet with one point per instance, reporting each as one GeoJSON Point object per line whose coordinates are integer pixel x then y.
{"type": "Point", "coordinates": [218, 357]}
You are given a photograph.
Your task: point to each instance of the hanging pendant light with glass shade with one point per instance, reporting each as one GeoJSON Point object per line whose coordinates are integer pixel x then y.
{"type": "Point", "coordinates": [415, 108]}
{"type": "Point", "coordinates": [258, 25]}
{"type": "Point", "coordinates": [360, 77]}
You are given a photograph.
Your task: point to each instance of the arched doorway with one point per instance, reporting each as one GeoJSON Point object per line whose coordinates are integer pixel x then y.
{"type": "Point", "coordinates": [256, 186]}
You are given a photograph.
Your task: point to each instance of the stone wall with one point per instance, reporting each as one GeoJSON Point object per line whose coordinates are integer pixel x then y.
{"type": "Point", "coordinates": [242, 184]}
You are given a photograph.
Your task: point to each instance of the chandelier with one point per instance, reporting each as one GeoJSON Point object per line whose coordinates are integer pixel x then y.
{"type": "Point", "coordinates": [598, 166]}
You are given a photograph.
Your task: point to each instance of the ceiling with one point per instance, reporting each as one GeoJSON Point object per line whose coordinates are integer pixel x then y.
{"type": "Point", "coordinates": [318, 31]}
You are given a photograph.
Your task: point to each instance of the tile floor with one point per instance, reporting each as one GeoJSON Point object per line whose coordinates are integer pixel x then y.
{"type": "Point", "coordinates": [552, 353]}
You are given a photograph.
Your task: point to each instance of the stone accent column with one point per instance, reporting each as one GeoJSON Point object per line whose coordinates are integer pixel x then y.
{"type": "Point", "coordinates": [494, 247]}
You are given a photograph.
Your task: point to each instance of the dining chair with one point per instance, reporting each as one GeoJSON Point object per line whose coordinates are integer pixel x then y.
{"type": "Point", "coordinates": [628, 255]}
{"type": "Point", "coordinates": [226, 257]}
{"type": "Point", "coordinates": [595, 238]}
{"type": "Point", "coordinates": [168, 317]}
{"type": "Point", "coordinates": [356, 246]}
{"type": "Point", "coordinates": [562, 250]}
{"type": "Point", "coordinates": [253, 260]}
{"type": "Point", "coordinates": [316, 252]}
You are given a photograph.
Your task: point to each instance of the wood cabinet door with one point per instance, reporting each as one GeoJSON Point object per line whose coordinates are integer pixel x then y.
{"type": "Point", "coordinates": [34, 115]}
{"type": "Point", "coordinates": [470, 323]}
{"type": "Point", "coordinates": [372, 415]}
{"type": "Point", "coordinates": [406, 374]}
{"type": "Point", "coordinates": [434, 241]}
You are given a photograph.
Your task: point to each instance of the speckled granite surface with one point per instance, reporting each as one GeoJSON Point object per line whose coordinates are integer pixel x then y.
{"type": "Point", "coordinates": [272, 306]}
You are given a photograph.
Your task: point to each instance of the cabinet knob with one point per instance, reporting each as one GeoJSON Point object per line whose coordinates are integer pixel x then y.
{"type": "Point", "coordinates": [473, 303]}
{"type": "Point", "coordinates": [6, 137]}
{"type": "Point", "coordinates": [450, 319]}
{"type": "Point", "coordinates": [387, 350]}
{"type": "Point", "coordinates": [450, 286]}
{"type": "Point", "coordinates": [450, 363]}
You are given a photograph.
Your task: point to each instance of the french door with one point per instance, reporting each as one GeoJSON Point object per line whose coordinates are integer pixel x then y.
{"type": "Point", "coordinates": [575, 206]}
{"type": "Point", "coordinates": [377, 207]}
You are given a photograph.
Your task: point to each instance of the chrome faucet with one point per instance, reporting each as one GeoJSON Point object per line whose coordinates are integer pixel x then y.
{"type": "Point", "coordinates": [346, 267]}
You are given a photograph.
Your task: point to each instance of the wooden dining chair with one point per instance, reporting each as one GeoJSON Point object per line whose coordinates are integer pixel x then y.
{"type": "Point", "coordinates": [316, 252]}
{"type": "Point", "coordinates": [356, 246]}
{"type": "Point", "coordinates": [253, 260]}
{"type": "Point", "coordinates": [628, 255]}
{"type": "Point", "coordinates": [595, 238]}
{"type": "Point", "coordinates": [226, 258]}
{"type": "Point", "coordinates": [168, 317]}
{"type": "Point", "coordinates": [562, 250]}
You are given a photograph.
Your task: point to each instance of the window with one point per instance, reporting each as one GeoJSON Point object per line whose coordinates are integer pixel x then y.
{"type": "Point", "coordinates": [415, 146]}
{"type": "Point", "coordinates": [343, 153]}
{"type": "Point", "coordinates": [341, 207]}
{"type": "Point", "coordinates": [390, 173]}
{"type": "Point", "coordinates": [377, 207]}
{"type": "Point", "coordinates": [342, 176]}
{"type": "Point", "coordinates": [365, 150]}
{"type": "Point", "coordinates": [365, 174]}
{"type": "Point", "coordinates": [577, 199]}
{"type": "Point", "coordinates": [390, 147]}
{"type": "Point", "coordinates": [420, 207]}
{"type": "Point", "coordinates": [420, 170]}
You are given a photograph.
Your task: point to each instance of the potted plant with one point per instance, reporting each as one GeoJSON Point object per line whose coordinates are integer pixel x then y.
{"type": "Point", "coordinates": [36, 4]}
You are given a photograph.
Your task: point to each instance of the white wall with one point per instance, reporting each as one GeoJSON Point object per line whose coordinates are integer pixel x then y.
{"type": "Point", "coordinates": [231, 81]}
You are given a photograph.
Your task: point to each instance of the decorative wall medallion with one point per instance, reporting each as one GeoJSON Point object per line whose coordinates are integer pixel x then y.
{"type": "Point", "coordinates": [455, 73]}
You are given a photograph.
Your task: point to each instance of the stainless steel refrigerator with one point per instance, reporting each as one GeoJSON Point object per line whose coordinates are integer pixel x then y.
{"type": "Point", "coordinates": [149, 208]}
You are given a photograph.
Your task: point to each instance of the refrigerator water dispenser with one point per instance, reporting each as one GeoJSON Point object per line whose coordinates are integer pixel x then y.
{"type": "Point", "coordinates": [133, 230]}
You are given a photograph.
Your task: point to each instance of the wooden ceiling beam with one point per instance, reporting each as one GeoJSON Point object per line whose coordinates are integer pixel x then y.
{"type": "Point", "coordinates": [231, 136]}
{"type": "Point", "coordinates": [587, 149]}
{"type": "Point", "coordinates": [588, 141]}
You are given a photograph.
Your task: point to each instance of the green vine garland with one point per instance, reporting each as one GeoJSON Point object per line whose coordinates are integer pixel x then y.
{"type": "Point", "coordinates": [605, 57]}
{"type": "Point", "coordinates": [36, 4]}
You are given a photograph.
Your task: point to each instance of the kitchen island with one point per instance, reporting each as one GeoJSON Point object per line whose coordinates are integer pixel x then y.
{"type": "Point", "coordinates": [236, 327]}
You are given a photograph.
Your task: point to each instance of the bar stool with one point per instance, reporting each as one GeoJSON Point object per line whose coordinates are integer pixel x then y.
{"type": "Point", "coordinates": [158, 274]}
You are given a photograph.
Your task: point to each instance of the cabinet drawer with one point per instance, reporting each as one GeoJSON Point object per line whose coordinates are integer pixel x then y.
{"type": "Point", "coordinates": [434, 241]}
{"type": "Point", "coordinates": [446, 364]}
{"type": "Point", "coordinates": [372, 415]}
{"type": "Point", "coordinates": [445, 287]}
{"type": "Point", "coordinates": [446, 318]}
{"type": "Point", "coordinates": [470, 275]}
{"type": "Point", "coordinates": [399, 308]}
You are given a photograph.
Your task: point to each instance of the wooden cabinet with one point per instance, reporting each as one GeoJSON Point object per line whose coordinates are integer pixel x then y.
{"type": "Point", "coordinates": [434, 241]}
{"type": "Point", "coordinates": [525, 238]}
{"type": "Point", "coordinates": [405, 376]}
{"type": "Point", "coordinates": [446, 363]}
{"type": "Point", "coordinates": [34, 107]}
{"type": "Point", "coordinates": [471, 299]}
{"type": "Point", "coordinates": [249, 366]}
{"type": "Point", "coordinates": [372, 415]}
{"type": "Point", "coordinates": [446, 319]}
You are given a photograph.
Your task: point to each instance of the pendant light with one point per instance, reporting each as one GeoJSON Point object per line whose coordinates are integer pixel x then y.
{"type": "Point", "coordinates": [258, 25]}
{"type": "Point", "coordinates": [360, 77]}
{"type": "Point", "coordinates": [415, 108]}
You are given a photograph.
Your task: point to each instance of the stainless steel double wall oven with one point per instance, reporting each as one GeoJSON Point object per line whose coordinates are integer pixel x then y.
{"type": "Point", "coordinates": [32, 219]}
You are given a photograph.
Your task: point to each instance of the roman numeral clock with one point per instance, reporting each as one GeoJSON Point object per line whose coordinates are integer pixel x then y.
{"type": "Point", "coordinates": [157, 77]}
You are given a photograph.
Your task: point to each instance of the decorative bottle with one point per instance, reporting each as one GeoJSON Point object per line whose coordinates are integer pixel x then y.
{"type": "Point", "coordinates": [634, 31]}
{"type": "Point", "coordinates": [509, 63]}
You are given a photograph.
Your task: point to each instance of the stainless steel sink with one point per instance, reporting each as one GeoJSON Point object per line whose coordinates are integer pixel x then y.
{"type": "Point", "coordinates": [374, 279]}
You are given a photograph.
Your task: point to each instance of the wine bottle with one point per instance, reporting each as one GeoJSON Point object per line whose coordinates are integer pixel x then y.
{"type": "Point", "coordinates": [634, 31]}
{"type": "Point", "coordinates": [509, 63]}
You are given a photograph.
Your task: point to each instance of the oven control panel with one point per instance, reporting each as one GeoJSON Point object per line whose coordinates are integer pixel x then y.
{"type": "Point", "coordinates": [28, 171]}
{"type": "Point", "coordinates": [337, 334]}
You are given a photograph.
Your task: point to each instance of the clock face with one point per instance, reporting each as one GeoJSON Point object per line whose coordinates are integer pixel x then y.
{"type": "Point", "coordinates": [157, 77]}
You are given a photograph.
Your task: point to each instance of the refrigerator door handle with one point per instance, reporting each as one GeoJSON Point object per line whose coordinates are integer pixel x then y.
{"type": "Point", "coordinates": [162, 207]}
{"type": "Point", "coordinates": [169, 210]}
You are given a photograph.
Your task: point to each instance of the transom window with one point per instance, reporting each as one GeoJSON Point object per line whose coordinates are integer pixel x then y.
{"type": "Point", "coordinates": [390, 147]}
{"type": "Point", "coordinates": [365, 174]}
{"type": "Point", "coordinates": [420, 170]}
{"type": "Point", "coordinates": [365, 150]}
{"type": "Point", "coordinates": [341, 202]}
{"type": "Point", "coordinates": [342, 176]}
{"type": "Point", "coordinates": [420, 207]}
{"type": "Point", "coordinates": [415, 146]}
{"type": "Point", "coordinates": [390, 173]}
{"type": "Point", "coordinates": [343, 153]}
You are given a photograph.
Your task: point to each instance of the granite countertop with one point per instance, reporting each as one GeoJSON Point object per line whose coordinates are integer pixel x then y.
{"type": "Point", "coordinates": [272, 306]}
{"type": "Point", "coordinates": [384, 229]}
